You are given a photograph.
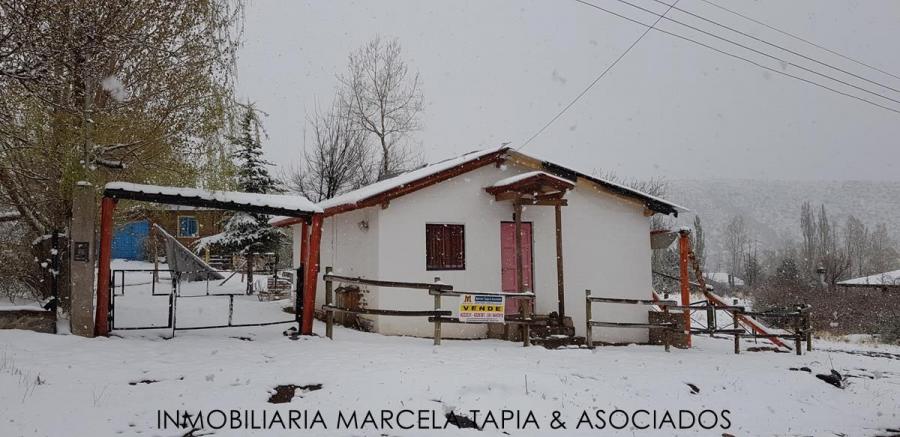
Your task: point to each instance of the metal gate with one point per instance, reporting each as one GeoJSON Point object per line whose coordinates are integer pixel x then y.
{"type": "Point", "coordinates": [150, 299]}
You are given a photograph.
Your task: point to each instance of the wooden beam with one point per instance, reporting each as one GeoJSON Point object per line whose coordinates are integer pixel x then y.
{"type": "Point", "coordinates": [524, 306]}
{"type": "Point", "coordinates": [107, 207]}
{"type": "Point", "coordinates": [536, 202]}
{"type": "Point", "coordinates": [507, 195]}
{"type": "Point", "coordinates": [312, 272]}
{"type": "Point", "coordinates": [560, 287]}
{"type": "Point", "coordinates": [684, 246]}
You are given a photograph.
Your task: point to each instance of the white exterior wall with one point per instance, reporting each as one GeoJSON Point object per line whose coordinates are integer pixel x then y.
{"type": "Point", "coordinates": [606, 248]}
{"type": "Point", "coordinates": [606, 244]}
{"type": "Point", "coordinates": [347, 247]}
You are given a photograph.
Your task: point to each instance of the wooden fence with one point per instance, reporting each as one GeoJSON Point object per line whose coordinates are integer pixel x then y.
{"type": "Point", "coordinates": [436, 316]}
{"type": "Point", "coordinates": [798, 319]}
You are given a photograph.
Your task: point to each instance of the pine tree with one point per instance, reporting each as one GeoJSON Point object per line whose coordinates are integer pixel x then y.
{"type": "Point", "coordinates": [248, 233]}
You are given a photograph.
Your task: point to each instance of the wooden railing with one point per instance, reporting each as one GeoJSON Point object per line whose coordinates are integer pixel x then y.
{"type": "Point", "coordinates": [798, 319]}
{"type": "Point", "coordinates": [436, 316]}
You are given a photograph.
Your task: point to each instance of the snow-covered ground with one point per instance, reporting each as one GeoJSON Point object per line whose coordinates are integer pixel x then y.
{"type": "Point", "coordinates": [110, 386]}
{"type": "Point", "coordinates": [55, 385]}
{"type": "Point", "coordinates": [139, 302]}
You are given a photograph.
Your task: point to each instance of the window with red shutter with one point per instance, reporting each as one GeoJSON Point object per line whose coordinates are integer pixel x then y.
{"type": "Point", "coordinates": [445, 247]}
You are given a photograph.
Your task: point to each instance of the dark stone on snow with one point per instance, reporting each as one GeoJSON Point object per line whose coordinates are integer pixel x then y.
{"type": "Point", "coordinates": [801, 369]}
{"type": "Point", "coordinates": [284, 393]}
{"type": "Point", "coordinates": [694, 388]}
{"type": "Point", "coordinates": [144, 381]}
{"type": "Point", "coordinates": [461, 421]}
{"type": "Point", "coordinates": [834, 379]}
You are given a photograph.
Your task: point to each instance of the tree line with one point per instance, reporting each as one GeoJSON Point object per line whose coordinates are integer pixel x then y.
{"type": "Point", "coordinates": [826, 250]}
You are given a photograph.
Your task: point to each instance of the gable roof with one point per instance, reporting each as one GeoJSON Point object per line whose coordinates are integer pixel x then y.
{"type": "Point", "coordinates": [886, 279]}
{"type": "Point", "coordinates": [414, 180]}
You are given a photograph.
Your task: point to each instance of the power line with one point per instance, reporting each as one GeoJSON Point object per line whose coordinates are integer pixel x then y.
{"type": "Point", "coordinates": [779, 47]}
{"type": "Point", "coordinates": [597, 79]}
{"type": "Point", "coordinates": [750, 61]}
{"type": "Point", "coordinates": [798, 38]}
{"type": "Point", "coordinates": [768, 55]}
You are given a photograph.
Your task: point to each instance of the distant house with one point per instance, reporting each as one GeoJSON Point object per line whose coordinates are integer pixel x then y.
{"type": "Point", "coordinates": [885, 281]}
{"type": "Point", "coordinates": [455, 220]}
{"type": "Point", "coordinates": [722, 278]}
{"type": "Point", "coordinates": [186, 223]}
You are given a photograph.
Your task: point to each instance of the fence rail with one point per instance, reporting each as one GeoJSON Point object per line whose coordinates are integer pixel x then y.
{"type": "Point", "coordinates": [436, 316]}
{"type": "Point", "coordinates": [799, 318]}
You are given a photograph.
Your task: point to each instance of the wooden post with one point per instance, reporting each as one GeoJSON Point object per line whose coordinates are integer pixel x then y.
{"type": "Point", "coordinates": [560, 287]}
{"type": "Point", "coordinates": [329, 299]}
{"type": "Point", "coordinates": [684, 246]}
{"type": "Point", "coordinates": [304, 262]}
{"type": "Point", "coordinates": [437, 320]}
{"type": "Point", "coordinates": [588, 335]}
{"type": "Point", "coordinates": [312, 273]}
{"type": "Point", "coordinates": [737, 335]}
{"type": "Point", "coordinates": [250, 261]}
{"type": "Point", "coordinates": [107, 207]}
{"type": "Point", "coordinates": [304, 244]}
{"type": "Point", "coordinates": [524, 305]}
{"type": "Point", "coordinates": [808, 329]}
{"type": "Point", "coordinates": [666, 331]}
{"type": "Point", "coordinates": [798, 332]}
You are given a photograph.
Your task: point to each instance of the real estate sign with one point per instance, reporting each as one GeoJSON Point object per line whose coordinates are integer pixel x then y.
{"type": "Point", "coordinates": [480, 308]}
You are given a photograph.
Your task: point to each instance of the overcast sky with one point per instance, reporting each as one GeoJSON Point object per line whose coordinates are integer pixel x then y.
{"type": "Point", "coordinates": [496, 71]}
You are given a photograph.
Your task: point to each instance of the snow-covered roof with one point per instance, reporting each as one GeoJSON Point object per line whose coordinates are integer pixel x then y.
{"type": "Point", "coordinates": [401, 184]}
{"type": "Point", "coordinates": [623, 189]}
{"type": "Point", "coordinates": [274, 203]}
{"type": "Point", "coordinates": [521, 177]}
{"type": "Point", "coordinates": [890, 279]}
{"type": "Point", "coordinates": [399, 181]}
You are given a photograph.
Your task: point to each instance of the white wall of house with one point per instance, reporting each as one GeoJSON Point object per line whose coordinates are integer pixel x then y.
{"type": "Point", "coordinates": [606, 248]}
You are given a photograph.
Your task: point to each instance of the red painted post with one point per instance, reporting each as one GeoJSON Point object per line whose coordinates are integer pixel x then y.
{"type": "Point", "coordinates": [304, 246]}
{"type": "Point", "coordinates": [684, 246]}
{"type": "Point", "coordinates": [107, 207]}
{"type": "Point", "coordinates": [312, 273]}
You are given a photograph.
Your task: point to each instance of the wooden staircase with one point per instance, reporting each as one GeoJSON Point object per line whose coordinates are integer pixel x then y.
{"type": "Point", "coordinates": [546, 330]}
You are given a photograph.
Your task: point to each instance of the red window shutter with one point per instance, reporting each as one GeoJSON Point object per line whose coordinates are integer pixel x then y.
{"type": "Point", "coordinates": [445, 247]}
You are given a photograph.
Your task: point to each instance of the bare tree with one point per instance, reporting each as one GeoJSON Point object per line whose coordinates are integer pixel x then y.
{"type": "Point", "coordinates": [832, 255]}
{"type": "Point", "coordinates": [384, 99]}
{"type": "Point", "coordinates": [339, 160]}
{"type": "Point", "coordinates": [882, 255]}
{"type": "Point", "coordinates": [698, 242]}
{"type": "Point", "coordinates": [856, 237]}
{"type": "Point", "coordinates": [808, 228]}
{"type": "Point", "coordinates": [735, 246]}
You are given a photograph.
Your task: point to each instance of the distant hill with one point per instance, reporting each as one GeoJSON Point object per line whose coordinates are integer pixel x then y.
{"type": "Point", "coordinates": [771, 209]}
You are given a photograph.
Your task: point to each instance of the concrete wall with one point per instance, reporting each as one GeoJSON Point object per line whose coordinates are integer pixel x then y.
{"type": "Point", "coordinates": [606, 247]}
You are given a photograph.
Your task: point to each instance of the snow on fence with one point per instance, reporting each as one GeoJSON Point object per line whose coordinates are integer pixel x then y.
{"type": "Point", "coordinates": [437, 316]}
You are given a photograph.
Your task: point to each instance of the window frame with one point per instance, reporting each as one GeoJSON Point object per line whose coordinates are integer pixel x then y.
{"type": "Point", "coordinates": [196, 226]}
{"type": "Point", "coordinates": [444, 267]}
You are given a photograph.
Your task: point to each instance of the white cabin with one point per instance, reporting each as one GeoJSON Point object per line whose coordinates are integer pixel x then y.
{"type": "Point", "coordinates": [455, 220]}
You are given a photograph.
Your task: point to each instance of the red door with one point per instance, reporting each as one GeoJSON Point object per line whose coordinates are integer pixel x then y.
{"type": "Point", "coordinates": [508, 262]}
